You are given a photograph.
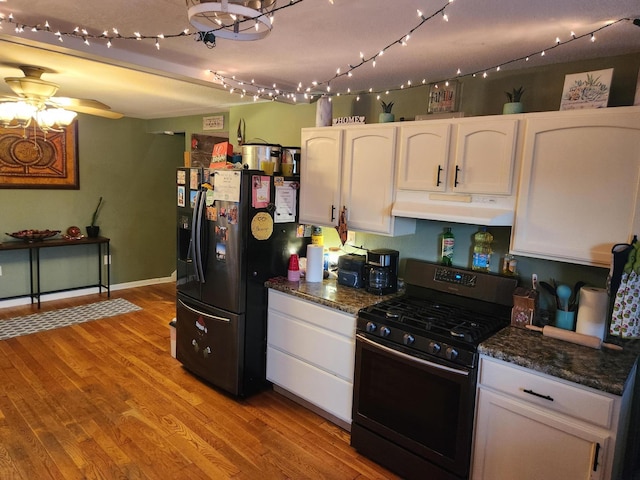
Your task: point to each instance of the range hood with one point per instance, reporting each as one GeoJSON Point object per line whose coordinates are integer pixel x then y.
{"type": "Point", "coordinates": [489, 210]}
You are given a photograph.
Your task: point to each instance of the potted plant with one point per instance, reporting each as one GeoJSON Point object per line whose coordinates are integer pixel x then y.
{"type": "Point", "coordinates": [514, 105]}
{"type": "Point", "coordinates": [93, 229]}
{"type": "Point", "coordinates": [386, 115]}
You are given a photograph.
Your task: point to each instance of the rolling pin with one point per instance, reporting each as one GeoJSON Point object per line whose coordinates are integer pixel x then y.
{"type": "Point", "coordinates": [573, 337]}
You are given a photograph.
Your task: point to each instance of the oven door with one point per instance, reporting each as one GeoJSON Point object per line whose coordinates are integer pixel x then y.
{"type": "Point", "coordinates": [420, 405]}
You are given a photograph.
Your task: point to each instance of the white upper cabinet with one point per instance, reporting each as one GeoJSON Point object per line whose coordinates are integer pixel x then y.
{"type": "Point", "coordinates": [485, 156]}
{"type": "Point", "coordinates": [368, 177]}
{"type": "Point", "coordinates": [351, 167]}
{"type": "Point", "coordinates": [458, 170]}
{"type": "Point", "coordinates": [320, 174]}
{"type": "Point", "coordinates": [481, 160]}
{"type": "Point", "coordinates": [580, 184]}
{"type": "Point", "coordinates": [424, 154]}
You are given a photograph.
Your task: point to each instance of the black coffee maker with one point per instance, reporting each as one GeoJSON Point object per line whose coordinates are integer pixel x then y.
{"type": "Point", "coordinates": [381, 271]}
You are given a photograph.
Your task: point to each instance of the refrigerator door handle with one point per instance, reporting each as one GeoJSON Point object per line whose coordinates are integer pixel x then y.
{"type": "Point", "coordinates": [196, 236]}
{"type": "Point", "coordinates": [193, 243]}
{"type": "Point", "coordinates": [208, 315]}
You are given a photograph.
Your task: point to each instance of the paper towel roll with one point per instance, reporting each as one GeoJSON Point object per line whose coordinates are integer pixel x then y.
{"type": "Point", "coordinates": [315, 263]}
{"type": "Point", "coordinates": [592, 311]}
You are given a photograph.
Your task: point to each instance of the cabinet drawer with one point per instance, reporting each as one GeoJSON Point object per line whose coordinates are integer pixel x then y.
{"type": "Point", "coordinates": [549, 393]}
{"type": "Point", "coordinates": [324, 317]}
{"type": "Point", "coordinates": [326, 391]}
{"type": "Point", "coordinates": [322, 348]}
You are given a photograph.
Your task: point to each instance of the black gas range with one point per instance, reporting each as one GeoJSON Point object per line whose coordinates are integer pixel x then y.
{"type": "Point", "coordinates": [416, 368]}
{"type": "Point", "coordinates": [445, 313]}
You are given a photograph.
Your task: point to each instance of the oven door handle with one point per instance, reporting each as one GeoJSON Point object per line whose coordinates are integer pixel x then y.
{"type": "Point", "coordinates": [411, 358]}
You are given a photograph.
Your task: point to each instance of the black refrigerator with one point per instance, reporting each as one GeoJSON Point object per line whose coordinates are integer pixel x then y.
{"type": "Point", "coordinates": [236, 229]}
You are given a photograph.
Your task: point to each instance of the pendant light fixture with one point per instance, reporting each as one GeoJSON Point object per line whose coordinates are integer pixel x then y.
{"type": "Point", "coordinates": [232, 19]}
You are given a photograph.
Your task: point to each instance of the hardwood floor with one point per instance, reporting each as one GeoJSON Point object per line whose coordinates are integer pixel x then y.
{"type": "Point", "coordinates": [105, 400]}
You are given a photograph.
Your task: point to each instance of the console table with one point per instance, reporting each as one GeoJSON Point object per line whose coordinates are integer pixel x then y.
{"type": "Point", "coordinates": [34, 248]}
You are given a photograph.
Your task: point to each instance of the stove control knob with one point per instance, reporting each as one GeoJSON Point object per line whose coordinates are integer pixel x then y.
{"type": "Point", "coordinates": [371, 327]}
{"type": "Point", "coordinates": [451, 353]}
{"type": "Point", "coordinates": [385, 332]}
{"type": "Point", "coordinates": [434, 347]}
{"type": "Point", "coordinates": [408, 339]}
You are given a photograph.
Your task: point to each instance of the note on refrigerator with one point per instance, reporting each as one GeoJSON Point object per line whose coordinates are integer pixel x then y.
{"type": "Point", "coordinates": [226, 185]}
{"type": "Point", "coordinates": [286, 197]}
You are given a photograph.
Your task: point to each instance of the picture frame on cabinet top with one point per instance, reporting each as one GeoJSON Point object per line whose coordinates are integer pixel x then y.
{"type": "Point", "coordinates": [444, 97]}
{"type": "Point", "coordinates": [586, 90]}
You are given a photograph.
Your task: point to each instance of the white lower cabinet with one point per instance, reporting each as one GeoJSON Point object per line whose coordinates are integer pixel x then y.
{"type": "Point", "coordinates": [531, 426]}
{"type": "Point", "coordinates": [311, 352]}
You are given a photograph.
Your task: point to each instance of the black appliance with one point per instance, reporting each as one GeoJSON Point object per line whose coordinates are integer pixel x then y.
{"type": "Point", "coordinates": [229, 243]}
{"type": "Point", "coordinates": [351, 270]}
{"type": "Point", "coordinates": [416, 369]}
{"type": "Point", "coordinates": [381, 271]}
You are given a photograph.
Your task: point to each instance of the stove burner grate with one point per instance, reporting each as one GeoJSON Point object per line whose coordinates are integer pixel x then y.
{"type": "Point", "coordinates": [435, 318]}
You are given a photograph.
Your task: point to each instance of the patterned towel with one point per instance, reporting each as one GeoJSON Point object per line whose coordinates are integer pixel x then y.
{"type": "Point", "coordinates": [625, 319]}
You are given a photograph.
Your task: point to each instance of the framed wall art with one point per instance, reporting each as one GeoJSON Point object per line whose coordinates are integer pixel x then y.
{"type": "Point", "coordinates": [444, 98]}
{"type": "Point", "coordinates": [586, 90]}
{"type": "Point", "coordinates": [29, 159]}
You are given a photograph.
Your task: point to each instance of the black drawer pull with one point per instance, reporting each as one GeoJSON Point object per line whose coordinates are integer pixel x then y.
{"type": "Point", "coordinates": [531, 392]}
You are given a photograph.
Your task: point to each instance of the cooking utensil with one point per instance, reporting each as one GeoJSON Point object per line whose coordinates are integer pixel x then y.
{"type": "Point", "coordinates": [563, 292]}
{"type": "Point", "coordinates": [551, 290]}
{"type": "Point", "coordinates": [573, 337]}
{"type": "Point", "coordinates": [573, 300]}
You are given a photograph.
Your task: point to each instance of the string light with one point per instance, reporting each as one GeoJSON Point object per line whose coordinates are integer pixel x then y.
{"type": "Point", "coordinates": [274, 93]}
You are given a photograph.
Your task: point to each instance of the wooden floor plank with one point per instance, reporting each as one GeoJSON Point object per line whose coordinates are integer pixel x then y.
{"type": "Point", "coordinates": [104, 399]}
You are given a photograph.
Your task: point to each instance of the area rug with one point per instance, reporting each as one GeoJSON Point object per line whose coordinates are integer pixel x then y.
{"type": "Point", "coordinates": [38, 322]}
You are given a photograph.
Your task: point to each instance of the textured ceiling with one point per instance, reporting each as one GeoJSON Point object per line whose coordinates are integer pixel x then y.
{"type": "Point", "coordinates": [310, 41]}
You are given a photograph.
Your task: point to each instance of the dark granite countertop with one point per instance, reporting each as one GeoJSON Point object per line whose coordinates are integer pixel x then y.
{"type": "Point", "coordinates": [605, 370]}
{"type": "Point", "coordinates": [329, 293]}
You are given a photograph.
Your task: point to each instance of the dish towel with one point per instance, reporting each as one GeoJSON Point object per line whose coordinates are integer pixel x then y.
{"type": "Point", "coordinates": [625, 318]}
{"type": "Point", "coordinates": [342, 228]}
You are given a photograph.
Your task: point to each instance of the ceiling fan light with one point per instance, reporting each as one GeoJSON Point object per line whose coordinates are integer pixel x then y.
{"type": "Point", "coordinates": [54, 118]}
{"type": "Point", "coordinates": [23, 112]}
{"type": "Point", "coordinates": [6, 113]}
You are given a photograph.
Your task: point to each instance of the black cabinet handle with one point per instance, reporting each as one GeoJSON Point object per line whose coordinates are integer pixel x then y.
{"type": "Point", "coordinates": [438, 181]}
{"type": "Point", "coordinates": [535, 394]}
{"type": "Point", "coordinates": [595, 459]}
{"type": "Point", "coordinates": [333, 213]}
{"type": "Point", "coordinates": [455, 181]}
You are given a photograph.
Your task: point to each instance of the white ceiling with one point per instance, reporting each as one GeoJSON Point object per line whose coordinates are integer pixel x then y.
{"type": "Point", "coordinates": [310, 40]}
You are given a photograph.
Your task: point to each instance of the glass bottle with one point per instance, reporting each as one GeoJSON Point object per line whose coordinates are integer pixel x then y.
{"type": "Point", "coordinates": [482, 250]}
{"type": "Point", "coordinates": [448, 242]}
{"type": "Point", "coordinates": [509, 265]}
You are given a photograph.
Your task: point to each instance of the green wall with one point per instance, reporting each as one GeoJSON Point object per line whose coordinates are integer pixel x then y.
{"type": "Point", "coordinates": [134, 172]}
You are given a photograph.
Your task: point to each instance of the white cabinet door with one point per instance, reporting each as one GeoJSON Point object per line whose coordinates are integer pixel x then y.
{"type": "Point", "coordinates": [369, 177]}
{"type": "Point", "coordinates": [320, 175]}
{"type": "Point", "coordinates": [485, 154]}
{"type": "Point", "coordinates": [580, 185]}
{"type": "Point", "coordinates": [514, 440]}
{"type": "Point", "coordinates": [424, 156]}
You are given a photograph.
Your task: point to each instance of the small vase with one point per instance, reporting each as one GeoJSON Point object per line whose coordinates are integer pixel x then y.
{"type": "Point", "coordinates": [324, 113]}
{"type": "Point", "coordinates": [512, 107]}
{"type": "Point", "coordinates": [386, 117]}
{"type": "Point", "coordinates": [93, 231]}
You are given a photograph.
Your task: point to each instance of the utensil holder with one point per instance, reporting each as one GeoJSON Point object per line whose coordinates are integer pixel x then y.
{"type": "Point", "coordinates": [565, 319]}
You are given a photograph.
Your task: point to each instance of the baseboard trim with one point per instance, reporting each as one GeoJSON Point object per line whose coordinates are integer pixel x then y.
{"type": "Point", "coordinates": [16, 302]}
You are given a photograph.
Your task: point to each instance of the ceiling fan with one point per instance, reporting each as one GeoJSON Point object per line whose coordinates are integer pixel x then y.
{"type": "Point", "coordinates": [33, 98]}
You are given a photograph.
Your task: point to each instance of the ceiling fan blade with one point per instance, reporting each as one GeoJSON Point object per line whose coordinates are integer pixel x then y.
{"type": "Point", "coordinates": [85, 105]}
